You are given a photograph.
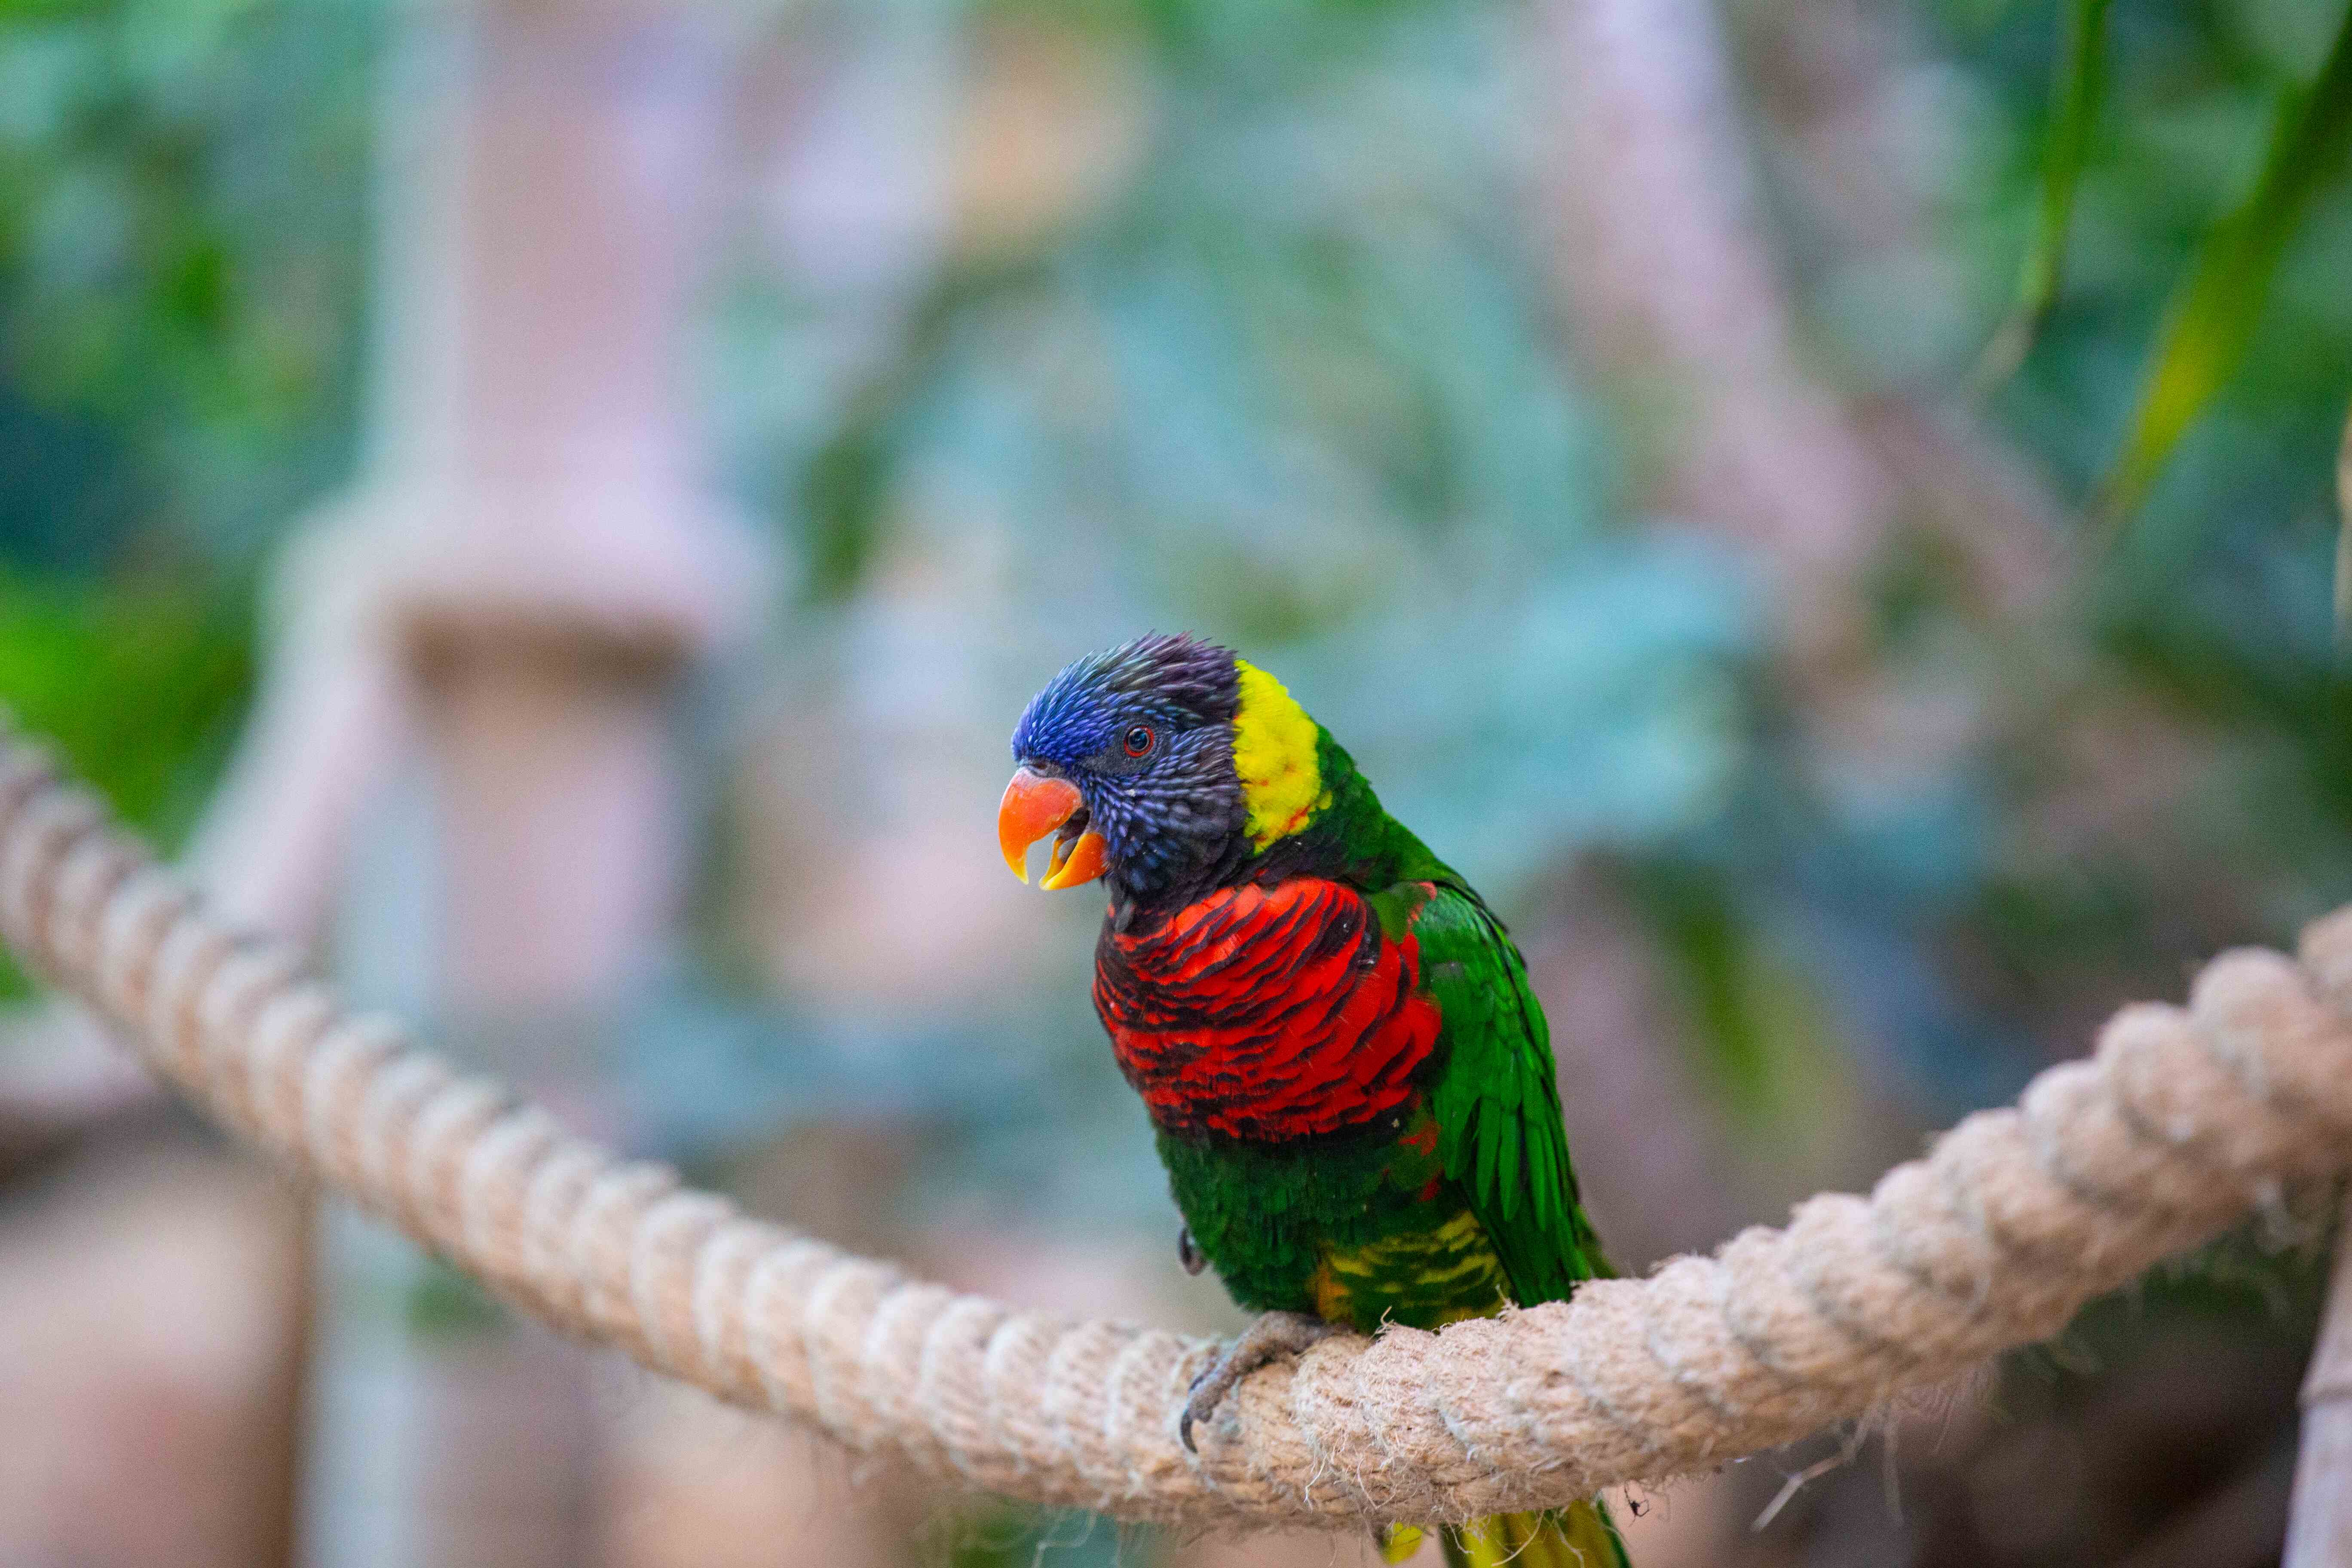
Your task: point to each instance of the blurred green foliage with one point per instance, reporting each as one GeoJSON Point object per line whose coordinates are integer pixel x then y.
{"type": "Point", "coordinates": [2217, 307]}
{"type": "Point", "coordinates": [2202, 104]}
{"type": "Point", "coordinates": [181, 203]}
{"type": "Point", "coordinates": [140, 687]}
{"type": "Point", "coordinates": [444, 1304]}
{"type": "Point", "coordinates": [182, 195]}
{"type": "Point", "coordinates": [2074, 98]}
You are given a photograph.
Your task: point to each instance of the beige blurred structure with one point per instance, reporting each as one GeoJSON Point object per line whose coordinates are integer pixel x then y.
{"type": "Point", "coordinates": [1673, 289]}
{"type": "Point", "coordinates": [502, 608]}
{"type": "Point", "coordinates": [147, 1322]}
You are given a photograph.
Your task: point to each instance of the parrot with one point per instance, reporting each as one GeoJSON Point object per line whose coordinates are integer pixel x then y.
{"type": "Point", "coordinates": [1348, 1075]}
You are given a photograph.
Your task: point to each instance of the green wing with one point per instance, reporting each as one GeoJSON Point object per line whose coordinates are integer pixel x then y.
{"type": "Point", "coordinates": [1496, 1100]}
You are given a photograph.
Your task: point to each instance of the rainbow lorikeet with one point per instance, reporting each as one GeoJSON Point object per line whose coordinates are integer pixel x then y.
{"type": "Point", "coordinates": [1350, 1080]}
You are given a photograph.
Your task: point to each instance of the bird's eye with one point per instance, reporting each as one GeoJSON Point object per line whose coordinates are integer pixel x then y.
{"type": "Point", "coordinates": [1140, 741]}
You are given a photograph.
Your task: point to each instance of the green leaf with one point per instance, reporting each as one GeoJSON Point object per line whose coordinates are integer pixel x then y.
{"type": "Point", "coordinates": [2074, 99]}
{"type": "Point", "coordinates": [2213, 313]}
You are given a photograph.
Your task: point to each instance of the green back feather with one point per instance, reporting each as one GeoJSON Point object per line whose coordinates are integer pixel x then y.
{"type": "Point", "coordinates": [1496, 1100]}
{"type": "Point", "coordinates": [1497, 1095]}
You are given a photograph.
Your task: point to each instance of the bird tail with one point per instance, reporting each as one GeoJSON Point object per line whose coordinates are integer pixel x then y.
{"type": "Point", "coordinates": [1580, 1535]}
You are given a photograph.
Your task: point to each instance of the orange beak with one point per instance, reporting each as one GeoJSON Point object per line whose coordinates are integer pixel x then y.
{"type": "Point", "coordinates": [1035, 805]}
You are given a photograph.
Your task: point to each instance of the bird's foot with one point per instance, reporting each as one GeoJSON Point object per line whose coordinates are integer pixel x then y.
{"type": "Point", "coordinates": [1274, 1334]}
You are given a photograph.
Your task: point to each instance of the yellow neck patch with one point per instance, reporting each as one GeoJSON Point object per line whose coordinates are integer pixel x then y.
{"type": "Point", "coordinates": [1273, 752]}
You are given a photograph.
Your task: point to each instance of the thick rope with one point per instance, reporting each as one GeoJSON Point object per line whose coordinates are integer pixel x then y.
{"type": "Point", "coordinates": [2184, 1122]}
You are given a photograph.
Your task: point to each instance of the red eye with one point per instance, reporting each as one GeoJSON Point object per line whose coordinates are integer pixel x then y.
{"type": "Point", "coordinates": [1139, 741]}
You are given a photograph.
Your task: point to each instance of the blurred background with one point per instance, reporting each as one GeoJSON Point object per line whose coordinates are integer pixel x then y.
{"type": "Point", "coordinates": [559, 503]}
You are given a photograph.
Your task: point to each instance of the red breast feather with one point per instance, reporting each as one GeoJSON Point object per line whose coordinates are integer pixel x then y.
{"type": "Point", "coordinates": [1266, 1012]}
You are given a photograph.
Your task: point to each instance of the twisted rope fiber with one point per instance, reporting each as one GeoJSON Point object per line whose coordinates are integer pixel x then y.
{"type": "Point", "coordinates": [2184, 1122]}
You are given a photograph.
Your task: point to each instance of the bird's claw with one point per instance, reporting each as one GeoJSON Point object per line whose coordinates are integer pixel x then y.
{"type": "Point", "coordinates": [1271, 1335]}
{"type": "Point", "coordinates": [1197, 1408]}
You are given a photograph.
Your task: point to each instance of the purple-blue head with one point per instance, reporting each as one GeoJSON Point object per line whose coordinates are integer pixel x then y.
{"type": "Point", "coordinates": [1128, 756]}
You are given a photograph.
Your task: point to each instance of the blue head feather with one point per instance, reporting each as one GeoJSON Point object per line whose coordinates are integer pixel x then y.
{"type": "Point", "coordinates": [1173, 812]}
